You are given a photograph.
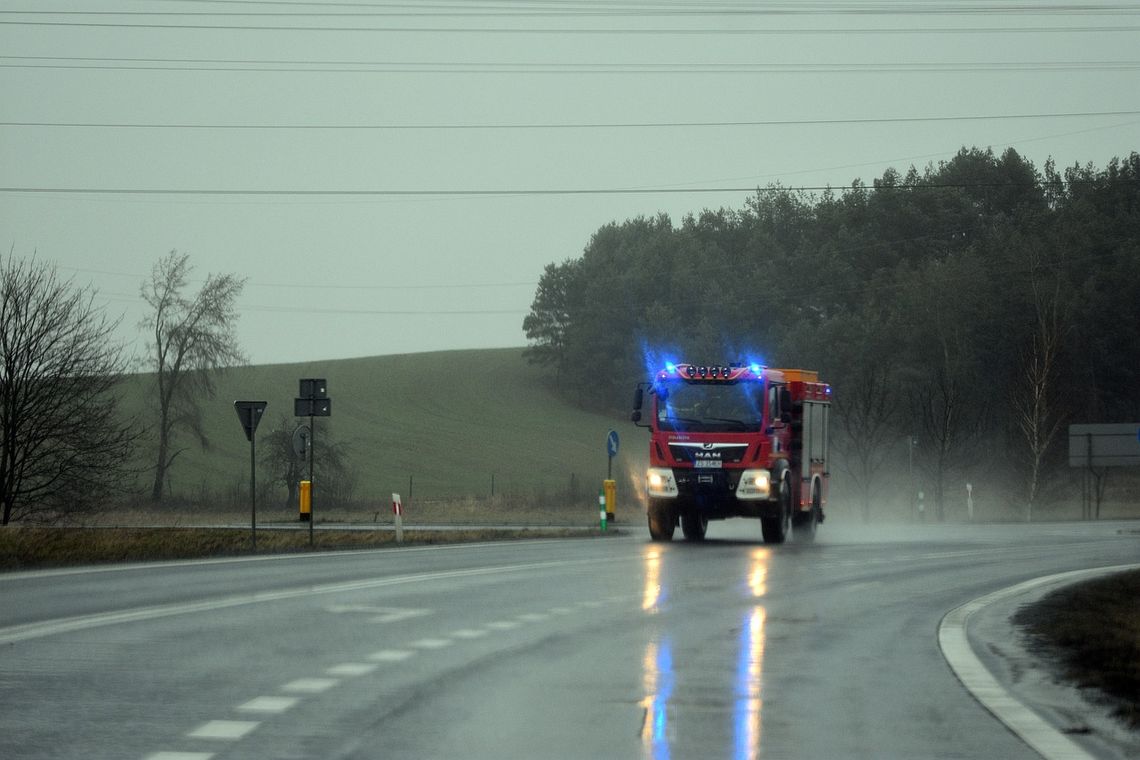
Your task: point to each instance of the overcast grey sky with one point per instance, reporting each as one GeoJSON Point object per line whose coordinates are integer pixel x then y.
{"type": "Point", "coordinates": [374, 138]}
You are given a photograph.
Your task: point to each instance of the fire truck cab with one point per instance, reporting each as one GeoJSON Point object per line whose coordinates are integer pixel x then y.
{"type": "Point", "coordinates": [735, 440]}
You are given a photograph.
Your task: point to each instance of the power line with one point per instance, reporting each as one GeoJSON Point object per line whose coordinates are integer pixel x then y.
{"type": "Point", "coordinates": [567, 125]}
{"type": "Point", "coordinates": [539, 68]}
{"type": "Point", "coordinates": [319, 286]}
{"type": "Point", "coordinates": [632, 31]}
{"type": "Point", "coordinates": [606, 10]}
{"type": "Point", "coordinates": [520, 191]}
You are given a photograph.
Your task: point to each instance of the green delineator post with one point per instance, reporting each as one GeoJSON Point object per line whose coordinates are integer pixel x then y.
{"type": "Point", "coordinates": [602, 507]}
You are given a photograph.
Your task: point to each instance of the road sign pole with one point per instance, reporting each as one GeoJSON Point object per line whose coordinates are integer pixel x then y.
{"type": "Point", "coordinates": [249, 413]}
{"type": "Point", "coordinates": [312, 480]}
{"type": "Point", "coordinates": [253, 488]}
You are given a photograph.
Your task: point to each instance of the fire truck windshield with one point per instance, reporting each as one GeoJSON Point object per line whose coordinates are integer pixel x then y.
{"type": "Point", "coordinates": [701, 407]}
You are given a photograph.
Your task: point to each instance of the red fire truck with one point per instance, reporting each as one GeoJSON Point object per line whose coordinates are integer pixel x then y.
{"type": "Point", "coordinates": [736, 440]}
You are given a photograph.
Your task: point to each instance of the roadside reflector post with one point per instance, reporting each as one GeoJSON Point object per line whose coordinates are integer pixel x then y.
{"type": "Point", "coordinates": [602, 507]}
{"type": "Point", "coordinates": [610, 488]}
{"type": "Point", "coordinates": [398, 511]}
{"type": "Point", "coordinates": [306, 503]}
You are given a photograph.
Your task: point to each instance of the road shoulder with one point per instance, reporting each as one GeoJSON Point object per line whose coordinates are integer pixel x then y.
{"type": "Point", "coordinates": [991, 658]}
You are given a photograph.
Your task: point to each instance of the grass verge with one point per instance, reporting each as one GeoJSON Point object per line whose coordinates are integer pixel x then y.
{"type": "Point", "coordinates": [1092, 630]}
{"type": "Point", "coordinates": [25, 548]}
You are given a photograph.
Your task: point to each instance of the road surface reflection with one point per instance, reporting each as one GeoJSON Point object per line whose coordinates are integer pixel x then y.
{"type": "Point", "coordinates": [659, 679]}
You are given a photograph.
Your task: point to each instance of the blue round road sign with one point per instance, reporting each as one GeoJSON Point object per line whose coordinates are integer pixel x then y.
{"type": "Point", "coordinates": [612, 443]}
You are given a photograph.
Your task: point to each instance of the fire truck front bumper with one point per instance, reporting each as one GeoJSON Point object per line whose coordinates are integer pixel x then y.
{"type": "Point", "coordinates": [752, 485]}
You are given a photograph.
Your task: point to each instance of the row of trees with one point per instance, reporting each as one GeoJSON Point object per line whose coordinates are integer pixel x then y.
{"type": "Point", "coordinates": [65, 446]}
{"type": "Point", "coordinates": [977, 306]}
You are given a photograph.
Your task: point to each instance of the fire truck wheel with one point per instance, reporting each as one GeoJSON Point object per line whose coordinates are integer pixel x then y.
{"type": "Point", "coordinates": [694, 526]}
{"type": "Point", "coordinates": [804, 524]}
{"type": "Point", "coordinates": [661, 520]}
{"type": "Point", "coordinates": [775, 529]}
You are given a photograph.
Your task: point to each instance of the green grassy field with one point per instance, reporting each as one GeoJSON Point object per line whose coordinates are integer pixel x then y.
{"type": "Point", "coordinates": [448, 422]}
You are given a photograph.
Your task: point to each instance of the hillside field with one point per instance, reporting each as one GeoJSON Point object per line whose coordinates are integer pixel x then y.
{"type": "Point", "coordinates": [446, 424]}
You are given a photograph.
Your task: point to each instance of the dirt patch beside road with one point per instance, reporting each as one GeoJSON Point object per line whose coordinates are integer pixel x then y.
{"type": "Point", "coordinates": [1092, 631]}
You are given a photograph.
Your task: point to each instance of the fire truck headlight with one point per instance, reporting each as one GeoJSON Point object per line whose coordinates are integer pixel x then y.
{"type": "Point", "coordinates": [659, 482]}
{"type": "Point", "coordinates": [754, 484]}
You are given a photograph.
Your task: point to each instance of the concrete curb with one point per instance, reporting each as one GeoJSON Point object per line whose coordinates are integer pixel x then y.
{"type": "Point", "coordinates": [954, 642]}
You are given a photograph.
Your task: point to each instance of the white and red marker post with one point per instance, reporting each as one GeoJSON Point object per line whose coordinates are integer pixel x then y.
{"type": "Point", "coordinates": [398, 511]}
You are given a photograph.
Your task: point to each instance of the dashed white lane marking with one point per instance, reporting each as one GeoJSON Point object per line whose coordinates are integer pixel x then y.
{"type": "Point", "coordinates": [954, 641]}
{"type": "Point", "coordinates": [268, 705]}
{"type": "Point", "coordinates": [232, 730]}
{"type": "Point", "coordinates": [391, 655]}
{"type": "Point", "coordinates": [224, 730]}
{"type": "Point", "coordinates": [432, 643]}
{"type": "Point", "coordinates": [379, 614]}
{"type": "Point", "coordinates": [503, 625]}
{"type": "Point", "coordinates": [310, 685]}
{"type": "Point", "coordinates": [352, 669]}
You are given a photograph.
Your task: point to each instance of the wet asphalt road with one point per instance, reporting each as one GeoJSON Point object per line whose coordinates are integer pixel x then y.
{"type": "Point", "coordinates": [563, 649]}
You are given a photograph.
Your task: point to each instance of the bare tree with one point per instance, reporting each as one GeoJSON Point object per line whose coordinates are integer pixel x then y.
{"type": "Point", "coordinates": [338, 482]}
{"type": "Point", "coordinates": [190, 340]}
{"type": "Point", "coordinates": [867, 411]}
{"type": "Point", "coordinates": [1035, 403]}
{"type": "Point", "coordinates": [63, 445]}
{"type": "Point", "coordinates": [277, 455]}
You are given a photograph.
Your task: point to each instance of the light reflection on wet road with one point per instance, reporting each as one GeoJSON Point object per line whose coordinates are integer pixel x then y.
{"type": "Point", "coordinates": [612, 648]}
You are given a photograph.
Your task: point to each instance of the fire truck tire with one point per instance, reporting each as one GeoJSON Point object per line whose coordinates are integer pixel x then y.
{"type": "Point", "coordinates": [694, 526]}
{"type": "Point", "coordinates": [804, 524]}
{"type": "Point", "coordinates": [775, 528]}
{"type": "Point", "coordinates": [661, 520]}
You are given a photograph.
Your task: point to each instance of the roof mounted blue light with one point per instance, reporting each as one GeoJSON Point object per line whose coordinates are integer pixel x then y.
{"type": "Point", "coordinates": [755, 369]}
{"type": "Point", "coordinates": [670, 367]}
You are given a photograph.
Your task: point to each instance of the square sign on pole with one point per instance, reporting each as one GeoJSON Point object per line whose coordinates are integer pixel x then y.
{"type": "Point", "coordinates": [312, 407]}
{"type": "Point", "coordinates": [314, 387]}
{"type": "Point", "coordinates": [1111, 445]}
{"type": "Point", "coordinates": [312, 401]}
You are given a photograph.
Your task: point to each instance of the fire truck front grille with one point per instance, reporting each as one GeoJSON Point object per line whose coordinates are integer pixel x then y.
{"type": "Point", "coordinates": [724, 452]}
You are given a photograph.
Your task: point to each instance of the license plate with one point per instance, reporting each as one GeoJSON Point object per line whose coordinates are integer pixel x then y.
{"type": "Point", "coordinates": [707, 464]}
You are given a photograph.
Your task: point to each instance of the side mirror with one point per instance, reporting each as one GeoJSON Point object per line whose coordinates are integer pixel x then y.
{"type": "Point", "coordinates": [635, 417]}
{"type": "Point", "coordinates": [785, 405]}
{"type": "Point", "coordinates": [638, 400]}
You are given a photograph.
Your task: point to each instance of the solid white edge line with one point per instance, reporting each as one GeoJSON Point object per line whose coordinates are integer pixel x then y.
{"type": "Point", "coordinates": [27, 631]}
{"type": "Point", "coordinates": [1041, 736]}
{"type": "Point", "coordinates": [18, 575]}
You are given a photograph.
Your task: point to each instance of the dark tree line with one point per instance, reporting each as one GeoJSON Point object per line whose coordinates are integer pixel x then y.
{"type": "Point", "coordinates": [978, 306]}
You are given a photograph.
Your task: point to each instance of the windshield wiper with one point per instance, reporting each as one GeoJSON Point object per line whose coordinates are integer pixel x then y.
{"type": "Point", "coordinates": [740, 423]}
{"type": "Point", "coordinates": [686, 421]}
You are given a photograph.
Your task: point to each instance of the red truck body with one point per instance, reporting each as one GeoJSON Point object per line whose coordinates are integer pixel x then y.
{"type": "Point", "coordinates": [736, 441]}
